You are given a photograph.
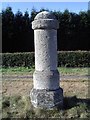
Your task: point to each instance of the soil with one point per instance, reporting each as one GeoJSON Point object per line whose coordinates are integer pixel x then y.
{"type": "Point", "coordinates": [23, 88]}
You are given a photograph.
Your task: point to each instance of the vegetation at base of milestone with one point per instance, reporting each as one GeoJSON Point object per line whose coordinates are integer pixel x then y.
{"type": "Point", "coordinates": [18, 36]}
{"type": "Point", "coordinates": [21, 107]}
{"type": "Point", "coordinates": [65, 59]}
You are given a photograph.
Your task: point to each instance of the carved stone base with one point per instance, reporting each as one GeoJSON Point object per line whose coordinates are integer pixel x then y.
{"type": "Point", "coordinates": [47, 99]}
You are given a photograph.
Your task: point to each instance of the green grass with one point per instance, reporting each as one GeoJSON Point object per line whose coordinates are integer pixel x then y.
{"type": "Point", "coordinates": [17, 70]}
{"type": "Point", "coordinates": [20, 107]}
{"type": "Point", "coordinates": [74, 71]}
{"type": "Point", "coordinates": [62, 70]}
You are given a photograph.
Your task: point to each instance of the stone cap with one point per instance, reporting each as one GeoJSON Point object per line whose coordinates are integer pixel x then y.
{"type": "Point", "coordinates": [44, 15]}
{"type": "Point", "coordinates": [45, 20]}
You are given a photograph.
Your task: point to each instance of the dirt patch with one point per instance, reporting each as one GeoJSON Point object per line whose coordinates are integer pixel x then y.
{"type": "Point", "coordinates": [16, 87]}
{"type": "Point", "coordinates": [79, 89]}
{"type": "Point", "coordinates": [70, 88]}
{"type": "Point", "coordinates": [16, 100]}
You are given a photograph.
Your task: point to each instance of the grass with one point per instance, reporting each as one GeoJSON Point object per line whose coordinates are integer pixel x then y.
{"type": "Point", "coordinates": [74, 71]}
{"type": "Point", "coordinates": [62, 70]}
{"type": "Point", "coordinates": [20, 107]}
{"type": "Point", "coordinates": [17, 69]}
{"type": "Point", "coordinates": [17, 104]}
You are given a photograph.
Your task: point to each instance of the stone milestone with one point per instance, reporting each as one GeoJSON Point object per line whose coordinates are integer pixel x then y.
{"type": "Point", "coordinates": [46, 92]}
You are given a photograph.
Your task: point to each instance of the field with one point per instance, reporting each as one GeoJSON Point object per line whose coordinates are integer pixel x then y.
{"type": "Point", "coordinates": [16, 90]}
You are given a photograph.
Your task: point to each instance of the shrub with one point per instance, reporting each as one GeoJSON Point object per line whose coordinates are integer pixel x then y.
{"type": "Point", "coordinates": [74, 58]}
{"type": "Point", "coordinates": [65, 59]}
{"type": "Point", "coordinates": [18, 59]}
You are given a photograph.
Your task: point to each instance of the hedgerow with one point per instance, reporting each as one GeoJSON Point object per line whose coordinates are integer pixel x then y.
{"type": "Point", "coordinates": [65, 59]}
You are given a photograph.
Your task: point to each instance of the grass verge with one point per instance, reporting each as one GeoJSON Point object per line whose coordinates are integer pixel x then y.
{"type": "Point", "coordinates": [20, 107]}
{"type": "Point", "coordinates": [62, 70]}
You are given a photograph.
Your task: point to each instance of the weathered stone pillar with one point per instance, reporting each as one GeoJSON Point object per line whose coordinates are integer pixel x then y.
{"type": "Point", "coordinates": [46, 92]}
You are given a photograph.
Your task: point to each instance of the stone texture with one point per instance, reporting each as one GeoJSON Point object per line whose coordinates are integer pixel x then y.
{"type": "Point", "coordinates": [46, 79]}
{"type": "Point", "coordinates": [45, 49]}
{"type": "Point", "coordinates": [46, 92]}
{"type": "Point", "coordinates": [47, 99]}
{"type": "Point", "coordinates": [45, 24]}
{"type": "Point", "coordinates": [44, 15]}
{"type": "Point", "coordinates": [45, 20]}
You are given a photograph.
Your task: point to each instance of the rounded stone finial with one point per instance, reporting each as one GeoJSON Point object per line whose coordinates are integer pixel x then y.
{"type": "Point", "coordinates": [44, 15]}
{"type": "Point", "coordinates": [45, 20]}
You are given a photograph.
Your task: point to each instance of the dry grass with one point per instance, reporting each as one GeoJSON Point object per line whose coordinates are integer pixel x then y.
{"type": "Point", "coordinates": [16, 101]}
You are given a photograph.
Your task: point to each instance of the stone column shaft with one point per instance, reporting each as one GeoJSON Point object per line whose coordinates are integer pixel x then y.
{"type": "Point", "coordinates": [46, 50]}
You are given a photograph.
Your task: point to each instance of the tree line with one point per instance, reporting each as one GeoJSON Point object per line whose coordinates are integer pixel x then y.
{"type": "Point", "coordinates": [18, 36]}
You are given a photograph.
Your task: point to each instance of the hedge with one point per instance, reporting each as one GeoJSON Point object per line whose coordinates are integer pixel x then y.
{"type": "Point", "coordinates": [74, 58]}
{"type": "Point", "coordinates": [65, 59]}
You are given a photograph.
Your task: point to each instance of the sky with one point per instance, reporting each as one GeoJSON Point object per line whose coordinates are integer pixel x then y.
{"type": "Point", "coordinates": [58, 6]}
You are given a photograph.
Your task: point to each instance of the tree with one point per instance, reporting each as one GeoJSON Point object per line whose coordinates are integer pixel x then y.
{"type": "Point", "coordinates": [33, 14]}
{"type": "Point", "coordinates": [7, 29]}
{"type": "Point", "coordinates": [28, 33]}
{"type": "Point", "coordinates": [18, 36]}
{"type": "Point", "coordinates": [83, 30]}
{"type": "Point", "coordinates": [64, 30]}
